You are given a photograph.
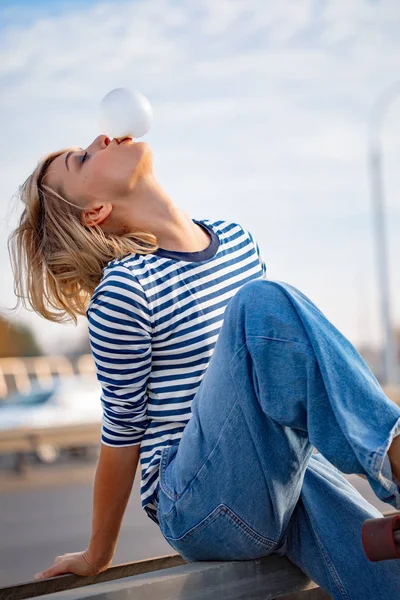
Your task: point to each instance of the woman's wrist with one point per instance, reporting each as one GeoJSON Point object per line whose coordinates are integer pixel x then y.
{"type": "Point", "coordinates": [101, 559]}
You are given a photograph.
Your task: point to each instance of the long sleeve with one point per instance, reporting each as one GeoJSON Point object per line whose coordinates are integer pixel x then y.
{"type": "Point", "coordinates": [120, 338]}
{"type": "Point", "coordinates": [260, 257]}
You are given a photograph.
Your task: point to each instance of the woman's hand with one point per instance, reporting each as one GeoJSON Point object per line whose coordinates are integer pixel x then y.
{"type": "Point", "coordinates": [78, 563]}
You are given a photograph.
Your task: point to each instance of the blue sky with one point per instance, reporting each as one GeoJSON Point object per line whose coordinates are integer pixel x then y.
{"type": "Point", "coordinates": [261, 112]}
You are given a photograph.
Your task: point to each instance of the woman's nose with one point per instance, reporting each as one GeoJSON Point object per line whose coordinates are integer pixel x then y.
{"type": "Point", "coordinates": [100, 142]}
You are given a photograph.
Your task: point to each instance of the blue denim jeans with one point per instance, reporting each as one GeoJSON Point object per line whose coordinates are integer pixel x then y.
{"type": "Point", "coordinates": [244, 482]}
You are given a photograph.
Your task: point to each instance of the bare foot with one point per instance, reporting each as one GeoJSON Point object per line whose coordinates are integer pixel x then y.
{"type": "Point", "coordinates": [394, 457]}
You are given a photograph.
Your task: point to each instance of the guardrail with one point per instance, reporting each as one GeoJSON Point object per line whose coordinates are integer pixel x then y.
{"type": "Point", "coordinates": [172, 578]}
{"type": "Point", "coordinates": [20, 442]}
{"type": "Point", "coordinates": [28, 439]}
{"type": "Point", "coordinates": [19, 373]}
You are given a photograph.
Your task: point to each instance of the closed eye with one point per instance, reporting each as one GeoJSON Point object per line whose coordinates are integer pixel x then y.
{"type": "Point", "coordinates": [84, 157]}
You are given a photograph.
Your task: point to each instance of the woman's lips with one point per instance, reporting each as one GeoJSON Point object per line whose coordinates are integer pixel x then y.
{"type": "Point", "coordinates": [125, 139]}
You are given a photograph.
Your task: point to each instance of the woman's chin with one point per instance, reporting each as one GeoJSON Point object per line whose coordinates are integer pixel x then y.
{"type": "Point", "coordinates": [147, 155]}
{"type": "Point", "coordinates": [144, 165]}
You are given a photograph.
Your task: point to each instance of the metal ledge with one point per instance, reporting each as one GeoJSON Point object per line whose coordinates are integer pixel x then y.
{"type": "Point", "coordinates": [269, 578]}
{"type": "Point", "coordinates": [265, 579]}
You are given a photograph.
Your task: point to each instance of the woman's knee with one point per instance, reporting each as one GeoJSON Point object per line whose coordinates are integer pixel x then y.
{"type": "Point", "coordinates": [262, 294]}
{"type": "Point", "coordinates": [264, 308]}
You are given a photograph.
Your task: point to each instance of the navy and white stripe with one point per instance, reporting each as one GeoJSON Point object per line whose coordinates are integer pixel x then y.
{"type": "Point", "coordinates": [153, 323]}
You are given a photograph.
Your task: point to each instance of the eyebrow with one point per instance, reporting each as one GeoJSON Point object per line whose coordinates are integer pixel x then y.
{"type": "Point", "coordinates": [66, 159]}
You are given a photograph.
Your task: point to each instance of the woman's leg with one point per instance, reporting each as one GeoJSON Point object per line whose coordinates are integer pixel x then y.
{"type": "Point", "coordinates": [324, 538]}
{"type": "Point", "coordinates": [280, 376]}
{"type": "Point", "coordinates": [345, 412]}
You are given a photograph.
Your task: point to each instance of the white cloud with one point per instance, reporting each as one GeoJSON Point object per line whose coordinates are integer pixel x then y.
{"type": "Point", "coordinates": [260, 116]}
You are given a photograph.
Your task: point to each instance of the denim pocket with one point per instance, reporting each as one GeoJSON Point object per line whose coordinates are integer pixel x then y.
{"type": "Point", "coordinates": [221, 535]}
{"type": "Point", "coordinates": [167, 454]}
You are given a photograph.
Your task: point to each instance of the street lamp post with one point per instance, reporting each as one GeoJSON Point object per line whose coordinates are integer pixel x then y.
{"type": "Point", "coordinates": [377, 192]}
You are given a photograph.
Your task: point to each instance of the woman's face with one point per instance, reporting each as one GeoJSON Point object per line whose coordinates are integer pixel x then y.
{"type": "Point", "coordinates": [105, 172]}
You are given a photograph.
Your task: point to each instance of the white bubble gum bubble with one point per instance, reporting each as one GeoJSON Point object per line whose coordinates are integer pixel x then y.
{"type": "Point", "coordinates": [125, 113]}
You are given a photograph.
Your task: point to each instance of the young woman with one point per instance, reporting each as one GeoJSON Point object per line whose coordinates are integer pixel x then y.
{"type": "Point", "coordinates": [224, 431]}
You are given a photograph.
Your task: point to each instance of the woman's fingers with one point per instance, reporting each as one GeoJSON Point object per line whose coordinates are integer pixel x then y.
{"type": "Point", "coordinates": [57, 569]}
{"type": "Point", "coordinates": [75, 563]}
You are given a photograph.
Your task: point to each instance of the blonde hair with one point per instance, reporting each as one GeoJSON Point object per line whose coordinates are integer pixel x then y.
{"type": "Point", "coordinates": [57, 260]}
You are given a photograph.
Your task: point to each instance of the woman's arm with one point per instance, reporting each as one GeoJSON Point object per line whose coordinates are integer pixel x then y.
{"type": "Point", "coordinates": [112, 487]}
{"type": "Point", "coordinates": [120, 337]}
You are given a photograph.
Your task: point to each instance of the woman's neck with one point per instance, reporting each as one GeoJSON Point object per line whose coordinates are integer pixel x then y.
{"type": "Point", "coordinates": [153, 211]}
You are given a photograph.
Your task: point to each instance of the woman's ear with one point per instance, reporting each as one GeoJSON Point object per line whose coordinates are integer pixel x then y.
{"type": "Point", "coordinates": [96, 215]}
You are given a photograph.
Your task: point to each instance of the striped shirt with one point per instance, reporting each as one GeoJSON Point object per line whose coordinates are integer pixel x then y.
{"type": "Point", "coordinates": [154, 321]}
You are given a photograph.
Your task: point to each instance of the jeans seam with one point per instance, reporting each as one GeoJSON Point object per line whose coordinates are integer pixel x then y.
{"type": "Point", "coordinates": [264, 337]}
{"type": "Point", "coordinates": [198, 528]}
{"type": "Point", "coordinates": [170, 493]}
{"type": "Point", "coordinates": [275, 339]}
{"type": "Point", "coordinates": [242, 526]}
{"type": "Point", "coordinates": [201, 468]}
{"type": "Point", "coordinates": [163, 485]}
{"type": "Point", "coordinates": [263, 541]}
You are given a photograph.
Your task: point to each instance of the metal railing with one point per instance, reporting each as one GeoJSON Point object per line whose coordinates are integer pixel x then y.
{"type": "Point", "coordinates": [18, 374]}
{"type": "Point", "coordinates": [65, 436]}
